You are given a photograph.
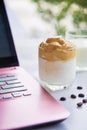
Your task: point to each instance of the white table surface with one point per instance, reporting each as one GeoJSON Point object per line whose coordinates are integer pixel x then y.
{"type": "Point", "coordinates": [27, 50]}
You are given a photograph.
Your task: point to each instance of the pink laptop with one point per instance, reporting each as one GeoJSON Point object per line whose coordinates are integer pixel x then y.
{"type": "Point", "coordinates": [23, 102]}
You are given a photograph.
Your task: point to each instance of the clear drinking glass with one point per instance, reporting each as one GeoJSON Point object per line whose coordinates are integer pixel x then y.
{"type": "Point", "coordinates": [79, 38]}
{"type": "Point", "coordinates": [57, 64]}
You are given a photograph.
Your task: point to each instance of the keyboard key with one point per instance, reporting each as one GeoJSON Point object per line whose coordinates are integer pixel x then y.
{"type": "Point", "coordinates": [11, 75]}
{"type": "Point", "coordinates": [3, 91]}
{"type": "Point", "coordinates": [12, 81]}
{"type": "Point", "coordinates": [26, 93]}
{"type": "Point", "coordinates": [7, 79]}
{"type": "Point", "coordinates": [17, 94]}
{"type": "Point", "coordinates": [7, 96]}
{"type": "Point", "coordinates": [2, 83]}
{"type": "Point", "coordinates": [12, 86]}
{"type": "Point", "coordinates": [7, 75]}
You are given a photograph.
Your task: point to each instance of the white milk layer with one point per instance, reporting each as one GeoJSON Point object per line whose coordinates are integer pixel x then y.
{"type": "Point", "coordinates": [57, 72]}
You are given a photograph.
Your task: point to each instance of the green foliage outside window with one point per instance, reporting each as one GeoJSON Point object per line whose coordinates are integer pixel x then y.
{"type": "Point", "coordinates": [55, 11]}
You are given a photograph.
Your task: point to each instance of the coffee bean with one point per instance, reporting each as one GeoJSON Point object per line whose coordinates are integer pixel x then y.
{"type": "Point", "coordinates": [73, 96]}
{"type": "Point", "coordinates": [79, 104]}
{"type": "Point", "coordinates": [79, 87]}
{"type": "Point", "coordinates": [84, 100]}
{"type": "Point", "coordinates": [62, 99]}
{"type": "Point", "coordinates": [81, 95]}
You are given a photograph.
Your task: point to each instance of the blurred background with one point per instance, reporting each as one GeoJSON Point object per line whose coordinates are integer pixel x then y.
{"type": "Point", "coordinates": [33, 21]}
{"type": "Point", "coordinates": [30, 20]}
{"type": "Point", "coordinates": [41, 18]}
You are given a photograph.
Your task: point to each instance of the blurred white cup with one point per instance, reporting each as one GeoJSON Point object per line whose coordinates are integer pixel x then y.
{"type": "Point", "coordinates": [79, 38]}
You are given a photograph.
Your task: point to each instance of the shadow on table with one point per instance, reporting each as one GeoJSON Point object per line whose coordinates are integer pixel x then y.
{"type": "Point", "coordinates": [48, 126]}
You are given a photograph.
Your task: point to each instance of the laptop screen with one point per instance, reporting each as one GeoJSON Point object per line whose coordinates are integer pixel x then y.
{"type": "Point", "coordinates": [8, 55]}
{"type": "Point", "coordinates": [4, 43]}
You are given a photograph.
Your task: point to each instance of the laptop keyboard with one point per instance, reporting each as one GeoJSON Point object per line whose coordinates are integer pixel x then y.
{"type": "Point", "coordinates": [11, 87]}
